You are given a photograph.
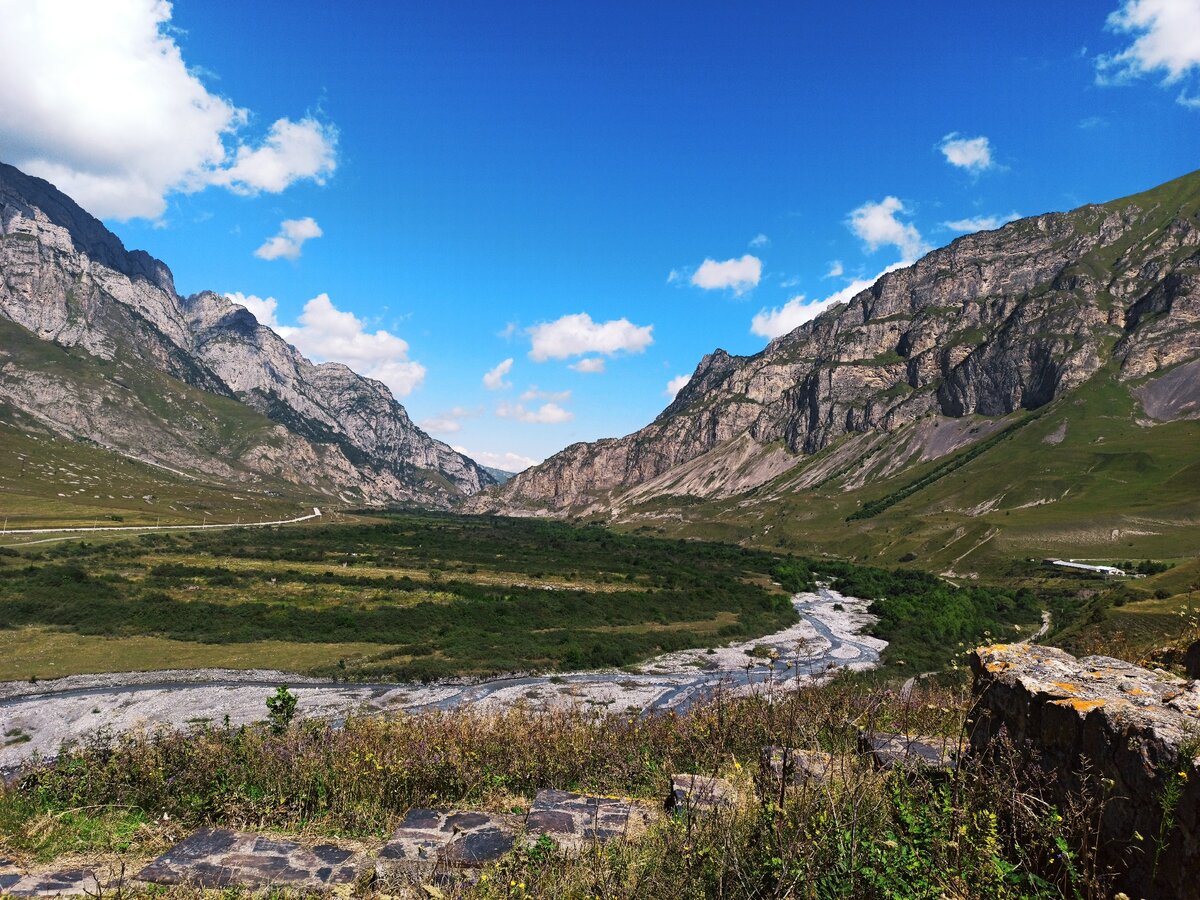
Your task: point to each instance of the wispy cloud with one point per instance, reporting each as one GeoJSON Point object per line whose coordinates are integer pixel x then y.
{"type": "Point", "coordinates": [290, 240]}
{"type": "Point", "coordinates": [546, 414]}
{"type": "Point", "coordinates": [592, 365]}
{"type": "Point", "coordinates": [980, 223]}
{"type": "Point", "coordinates": [493, 379]}
{"type": "Point", "coordinates": [1166, 41]}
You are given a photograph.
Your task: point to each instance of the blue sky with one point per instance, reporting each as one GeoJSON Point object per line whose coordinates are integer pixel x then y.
{"type": "Point", "coordinates": [544, 183]}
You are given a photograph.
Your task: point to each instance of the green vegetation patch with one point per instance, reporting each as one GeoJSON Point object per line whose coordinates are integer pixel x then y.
{"type": "Point", "coordinates": [477, 595]}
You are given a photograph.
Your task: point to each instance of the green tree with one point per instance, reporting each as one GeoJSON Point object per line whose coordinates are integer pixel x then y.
{"type": "Point", "coordinates": [281, 709]}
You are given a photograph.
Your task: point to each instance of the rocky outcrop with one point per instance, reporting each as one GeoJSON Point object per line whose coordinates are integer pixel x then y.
{"type": "Point", "coordinates": [994, 323]}
{"type": "Point", "coordinates": [1126, 736]}
{"type": "Point", "coordinates": [68, 281]}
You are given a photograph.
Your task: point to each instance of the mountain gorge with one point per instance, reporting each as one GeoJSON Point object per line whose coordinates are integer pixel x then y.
{"type": "Point", "coordinates": [98, 347]}
{"type": "Point", "coordinates": [1050, 318]}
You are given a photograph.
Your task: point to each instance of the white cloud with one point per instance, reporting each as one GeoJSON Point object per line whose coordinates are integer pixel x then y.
{"type": "Point", "coordinates": [534, 393]}
{"type": "Point", "coordinates": [1167, 41]}
{"type": "Point", "coordinates": [973, 154]}
{"type": "Point", "coordinates": [97, 98]}
{"type": "Point", "coordinates": [738, 275]}
{"type": "Point", "coordinates": [262, 309]}
{"type": "Point", "coordinates": [593, 365]}
{"type": "Point", "coordinates": [328, 334]}
{"type": "Point", "coordinates": [546, 414]}
{"type": "Point", "coordinates": [493, 379]}
{"type": "Point", "coordinates": [292, 235]}
{"type": "Point", "coordinates": [676, 384]}
{"type": "Point", "coordinates": [507, 462]}
{"type": "Point", "coordinates": [292, 151]}
{"type": "Point", "coordinates": [836, 269]}
{"type": "Point", "coordinates": [779, 321]}
{"type": "Point", "coordinates": [448, 422]}
{"type": "Point", "coordinates": [759, 240]}
{"type": "Point", "coordinates": [980, 223]}
{"type": "Point", "coordinates": [577, 334]}
{"type": "Point", "coordinates": [676, 276]}
{"type": "Point", "coordinates": [877, 225]}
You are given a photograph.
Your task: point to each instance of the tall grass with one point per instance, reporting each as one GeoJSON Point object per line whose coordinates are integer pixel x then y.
{"type": "Point", "coordinates": [986, 832]}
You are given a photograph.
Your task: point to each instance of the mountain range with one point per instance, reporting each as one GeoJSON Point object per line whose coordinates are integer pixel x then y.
{"type": "Point", "coordinates": [1021, 392]}
{"type": "Point", "coordinates": [97, 347]}
{"type": "Point", "coordinates": [1034, 388]}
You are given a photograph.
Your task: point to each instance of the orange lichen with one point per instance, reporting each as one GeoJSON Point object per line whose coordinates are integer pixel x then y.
{"type": "Point", "coordinates": [1079, 704]}
{"type": "Point", "coordinates": [1138, 692]}
{"type": "Point", "coordinates": [1066, 686]}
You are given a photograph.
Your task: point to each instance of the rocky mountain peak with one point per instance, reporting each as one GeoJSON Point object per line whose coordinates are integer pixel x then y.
{"type": "Point", "coordinates": [995, 322]}
{"type": "Point", "coordinates": [69, 281]}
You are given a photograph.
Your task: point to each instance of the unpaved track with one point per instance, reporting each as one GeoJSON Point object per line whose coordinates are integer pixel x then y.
{"type": "Point", "coordinates": [827, 637]}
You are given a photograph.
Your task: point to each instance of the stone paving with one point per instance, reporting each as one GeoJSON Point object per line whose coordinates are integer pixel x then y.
{"type": "Point", "coordinates": [910, 751]}
{"type": "Point", "coordinates": [577, 821]}
{"type": "Point", "coordinates": [431, 841]}
{"type": "Point", "coordinates": [218, 858]}
{"type": "Point", "coordinates": [444, 845]}
{"type": "Point", "coordinates": [67, 883]}
{"type": "Point", "coordinates": [699, 793]}
{"type": "Point", "coordinates": [797, 767]}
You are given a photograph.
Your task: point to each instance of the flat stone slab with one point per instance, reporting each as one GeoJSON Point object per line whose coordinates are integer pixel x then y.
{"type": "Point", "coordinates": [67, 883]}
{"type": "Point", "coordinates": [576, 821]}
{"type": "Point", "coordinates": [892, 750]}
{"type": "Point", "coordinates": [430, 840]}
{"type": "Point", "coordinates": [797, 766]}
{"type": "Point", "coordinates": [699, 793]}
{"type": "Point", "coordinates": [218, 858]}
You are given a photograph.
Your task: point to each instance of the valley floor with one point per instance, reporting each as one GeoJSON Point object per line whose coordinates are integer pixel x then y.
{"type": "Point", "coordinates": [827, 638]}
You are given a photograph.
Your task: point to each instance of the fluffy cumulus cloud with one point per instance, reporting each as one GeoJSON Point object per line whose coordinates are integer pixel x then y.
{"type": "Point", "coordinates": [980, 223]}
{"type": "Point", "coordinates": [506, 462]}
{"type": "Point", "coordinates": [448, 422]}
{"type": "Point", "coordinates": [545, 414]}
{"type": "Point", "coordinates": [878, 225]}
{"type": "Point", "coordinates": [263, 309]}
{"type": "Point", "coordinates": [676, 384]}
{"type": "Point", "coordinates": [737, 275]}
{"type": "Point", "coordinates": [290, 240]}
{"type": "Point", "coordinates": [292, 151]}
{"type": "Point", "coordinates": [1166, 43]}
{"type": "Point", "coordinates": [591, 365]}
{"type": "Point", "coordinates": [97, 98]}
{"type": "Point", "coordinates": [973, 154]}
{"type": "Point", "coordinates": [771, 323]}
{"type": "Point", "coordinates": [493, 378]}
{"type": "Point", "coordinates": [836, 269]}
{"type": "Point", "coordinates": [577, 335]}
{"type": "Point", "coordinates": [328, 334]}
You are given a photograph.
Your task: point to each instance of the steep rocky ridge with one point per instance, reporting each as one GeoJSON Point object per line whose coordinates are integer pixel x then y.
{"type": "Point", "coordinates": [192, 383]}
{"type": "Point", "coordinates": [996, 323]}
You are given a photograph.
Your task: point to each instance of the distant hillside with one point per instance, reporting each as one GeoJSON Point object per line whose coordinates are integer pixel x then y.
{"type": "Point", "coordinates": [1025, 390]}
{"type": "Point", "coordinates": [96, 346]}
{"type": "Point", "coordinates": [500, 475]}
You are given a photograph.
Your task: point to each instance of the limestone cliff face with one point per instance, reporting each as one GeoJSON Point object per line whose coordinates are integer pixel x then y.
{"type": "Point", "coordinates": [68, 281]}
{"type": "Point", "coordinates": [995, 322]}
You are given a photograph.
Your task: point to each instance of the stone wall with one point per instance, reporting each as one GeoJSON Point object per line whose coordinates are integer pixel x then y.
{"type": "Point", "coordinates": [1110, 729]}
